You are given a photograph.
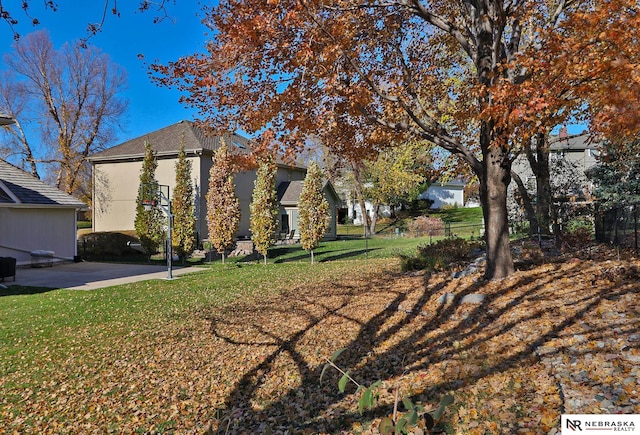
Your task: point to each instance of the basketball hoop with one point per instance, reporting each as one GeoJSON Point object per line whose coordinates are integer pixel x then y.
{"type": "Point", "coordinates": [148, 204]}
{"type": "Point", "coordinates": [154, 196]}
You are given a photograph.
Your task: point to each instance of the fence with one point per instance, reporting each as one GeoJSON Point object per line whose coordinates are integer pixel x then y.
{"type": "Point", "coordinates": [618, 226]}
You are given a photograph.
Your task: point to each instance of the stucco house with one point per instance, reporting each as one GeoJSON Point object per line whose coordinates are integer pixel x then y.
{"type": "Point", "coordinates": [577, 150]}
{"type": "Point", "coordinates": [35, 216]}
{"type": "Point", "coordinates": [116, 177]}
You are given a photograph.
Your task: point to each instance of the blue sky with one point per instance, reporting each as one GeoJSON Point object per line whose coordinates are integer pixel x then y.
{"type": "Point", "coordinates": [124, 39]}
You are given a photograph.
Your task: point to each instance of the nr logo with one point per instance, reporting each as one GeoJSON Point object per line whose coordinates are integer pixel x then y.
{"type": "Point", "coordinates": [574, 425]}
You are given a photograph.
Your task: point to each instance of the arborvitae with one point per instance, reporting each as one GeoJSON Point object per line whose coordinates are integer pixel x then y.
{"type": "Point", "coordinates": [149, 224]}
{"type": "Point", "coordinates": [183, 208]}
{"type": "Point", "coordinates": [314, 210]}
{"type": "Point", "coordinates": [264, 209]}
{"type": "Point", "coordinates": [223, 207]}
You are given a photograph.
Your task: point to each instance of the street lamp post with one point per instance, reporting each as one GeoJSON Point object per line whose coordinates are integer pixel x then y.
{"type": "Point", "coordinates": [149, 201]}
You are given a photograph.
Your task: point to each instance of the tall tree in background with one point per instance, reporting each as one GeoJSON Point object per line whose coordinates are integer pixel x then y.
{"type": "Point", "coordinates": [223, 207]}
{"type": "Point", "coordinates": [395, 175]}
{"type": "Point", "coordinates": [14, 101]}
{"type": "Point", "coordinates": [314, 216]}
{"type": "Point", "coordinates": [381, 71]}
{"type": "Point", "coordinates": [183, 207]}
{"type": "Point", "coordinates": [586, 68]}
{"type": "Point", "coordinates": [71, 96]}
{"type": "Point", "coordinates": [264, 209]}
{"type": "Point", "coordinates": [149, 224]}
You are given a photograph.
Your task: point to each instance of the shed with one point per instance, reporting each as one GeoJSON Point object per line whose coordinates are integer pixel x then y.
{"type": "Point", "coordinates": [35, 216]}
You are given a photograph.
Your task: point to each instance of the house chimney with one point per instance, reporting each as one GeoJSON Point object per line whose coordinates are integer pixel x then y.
{"type": "Point", "coordinates": [564, 133]}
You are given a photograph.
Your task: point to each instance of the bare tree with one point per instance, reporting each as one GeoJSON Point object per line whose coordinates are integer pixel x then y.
{"type": "Point", "coordinates": [71, 96]}
{"type": "Point", "coordinates": [14, 102]}
{"type": "Point", "coordinates": [11, 16]}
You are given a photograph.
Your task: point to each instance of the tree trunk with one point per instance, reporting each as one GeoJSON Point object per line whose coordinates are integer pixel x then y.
{"type": "Point", "coordinates": [543, 183]}
{"type": "Point", "coordinates": [265, 259]}
{"type": "Point", "coordinates": [529, 209]}
{"type": "Point", "coordinates": [222, 254]}
{"type": "Point", "coordinates": [374, 218]}
{"type": "Point", "coordinates": [28, 153]}
{"type": "Point", "coordinates": [355, 167]}
{"type": "Point", "coordinates": [312, 256]}
{"type": "Point", "coordinates": [494, 181]}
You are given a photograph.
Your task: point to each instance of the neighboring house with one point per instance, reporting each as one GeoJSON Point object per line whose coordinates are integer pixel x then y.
{"type": "Point", "coordinates": [35, 216]}
{"type": "Point", "coordinates": [450, 193]}
{"type": "Point", "coordinates": [116, 177]}
{"type": "Point", "coordinates": [577, 150]}
{"type": "Point", "coordinates": [354, 211]}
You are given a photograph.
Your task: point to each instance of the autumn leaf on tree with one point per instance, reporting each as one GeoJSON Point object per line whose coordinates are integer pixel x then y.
{"type": "Point", "coordinates": [183, 207]}
{"type": "Point", "coordinates": [149, 224]}
{"type": "Point", "coordinates": [264, 208]}
{"type": "Point", "coordinates": [314, 216]}
{"type": "Point", "coordinates": [223, 207]}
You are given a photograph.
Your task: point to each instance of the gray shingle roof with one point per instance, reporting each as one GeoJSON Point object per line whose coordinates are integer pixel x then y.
{"type": "Point", "coordinates": [289, 191]}
{"type": "Point", "coordinates": [19, 187]}
{"type": "Point", "coordinates": [167, 140]}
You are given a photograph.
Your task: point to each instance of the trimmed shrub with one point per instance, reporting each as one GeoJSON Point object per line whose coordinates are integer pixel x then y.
{"type": "Point", "coordinates": [108, 246]}
{"type": "Point", "coordinates": [439, 256]}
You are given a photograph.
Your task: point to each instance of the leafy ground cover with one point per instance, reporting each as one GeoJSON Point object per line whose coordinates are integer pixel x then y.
{"type": "Point", "coordinates": [242, 347]}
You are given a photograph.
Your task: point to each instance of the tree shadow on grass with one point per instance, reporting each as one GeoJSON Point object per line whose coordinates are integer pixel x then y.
{"type": "Point", "coordinates": [16, 290]}
{"type": "Point", "coordinates": [322, 255]}
{"type": "Point", "coordinates": [348, 254]}
{"type": "Point", "coordinates": [391, 329]}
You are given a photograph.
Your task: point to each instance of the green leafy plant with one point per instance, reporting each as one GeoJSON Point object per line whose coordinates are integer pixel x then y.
{"type": "Point", "coordinates": [398, 423]}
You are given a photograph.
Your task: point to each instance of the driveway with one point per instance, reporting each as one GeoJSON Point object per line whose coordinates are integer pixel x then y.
{"type": "Point", "coordinates": [90, 276]}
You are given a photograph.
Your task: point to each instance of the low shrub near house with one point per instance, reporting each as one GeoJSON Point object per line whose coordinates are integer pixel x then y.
{"type": "Point", "coordinates": [439, 256]}
{"type": "Point", "coordinates": [108, 246]}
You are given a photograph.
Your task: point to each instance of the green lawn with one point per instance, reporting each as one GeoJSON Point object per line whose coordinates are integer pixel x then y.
{"type": "Point", "coordinates": [62, 344]}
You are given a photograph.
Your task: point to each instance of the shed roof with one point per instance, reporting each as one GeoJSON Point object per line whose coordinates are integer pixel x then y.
{"type": "Point", "coordinates": [18, 187]}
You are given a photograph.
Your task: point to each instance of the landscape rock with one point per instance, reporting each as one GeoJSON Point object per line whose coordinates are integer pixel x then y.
{"type": "Point", "coordinates": [446, 298]}
{"type": "Point", "coordinates": [473, 298]}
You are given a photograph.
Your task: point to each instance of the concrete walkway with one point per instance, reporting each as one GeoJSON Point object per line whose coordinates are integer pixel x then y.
{"type": "Point", "coordinates": [91, 276]}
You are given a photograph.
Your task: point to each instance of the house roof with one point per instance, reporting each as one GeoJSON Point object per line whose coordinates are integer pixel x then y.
{"type": "Point", "coordinates": [19, 188]}
{"type": "Point", "coordinates": [579, 142]}
{"type": "Point", "coordinates": [289, 192]}
{"type": "Point", "coordinates": [166, 142]}
{"type": "Point", "coordinates": [6, 119]}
